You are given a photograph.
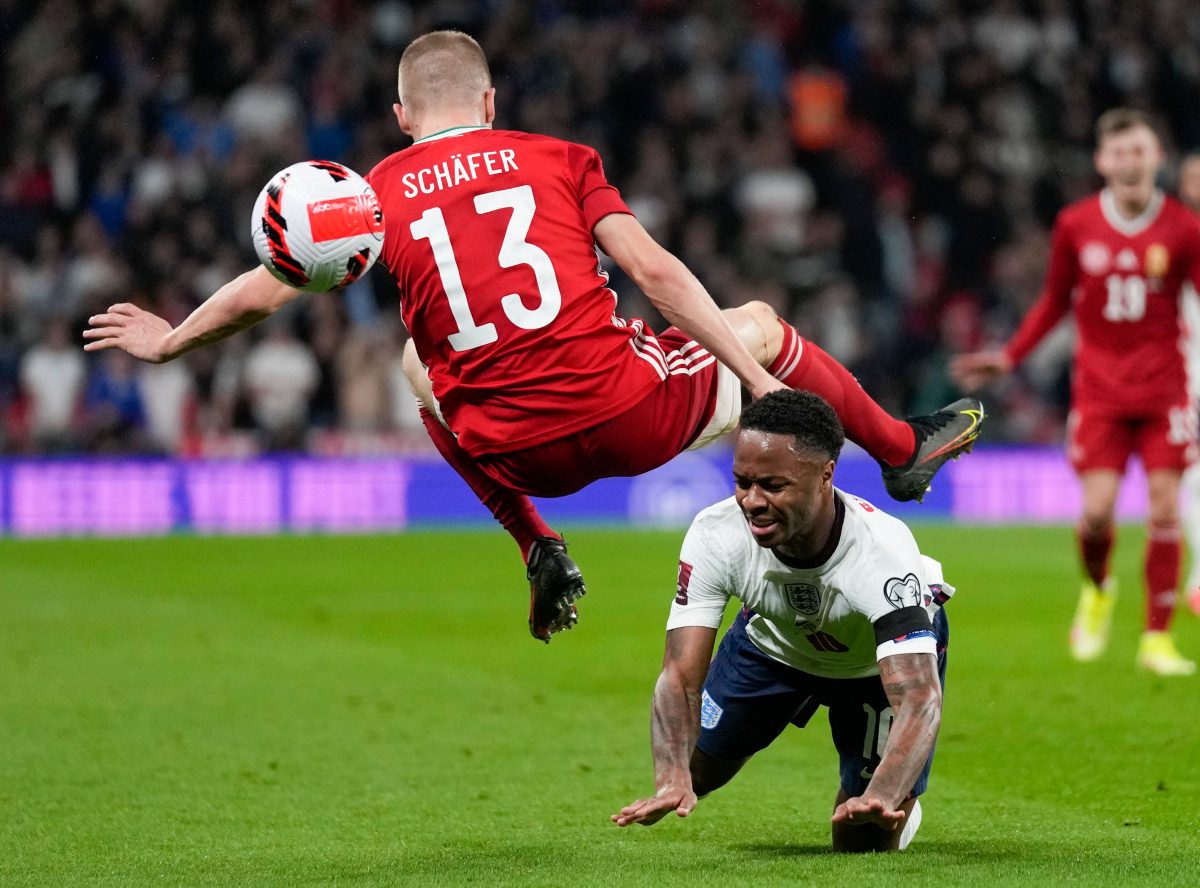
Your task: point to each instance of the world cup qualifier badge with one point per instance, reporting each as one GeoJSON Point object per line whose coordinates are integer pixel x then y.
{"type": "Point", "coordinates": [903, 592]}
{"type": "Point", "coordinates": [804, 598]}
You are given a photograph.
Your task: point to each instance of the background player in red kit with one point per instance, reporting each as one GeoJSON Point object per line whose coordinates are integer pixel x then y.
{"type": "Point", "coordinates": [1123, 256]}
{"type": "Point", "coordinates": [534, 384]}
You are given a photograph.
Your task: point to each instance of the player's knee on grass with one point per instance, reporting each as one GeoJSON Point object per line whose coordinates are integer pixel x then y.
{"type": "Point", "coordinates": [862, 838]}
{"type": "Point", "coordinates": [710, 773]}
{"type": "Point", "coordinates": [757, 326]}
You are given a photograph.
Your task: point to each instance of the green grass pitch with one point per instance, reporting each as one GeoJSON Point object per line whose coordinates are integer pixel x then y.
{"type": "Point", "coordinates": [371, 711]}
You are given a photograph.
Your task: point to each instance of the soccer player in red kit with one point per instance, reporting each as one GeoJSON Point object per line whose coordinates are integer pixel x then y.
{"type": "Point", "coordinates": [532, 384]}
{"type": "Point", "coordinates": [1118, 260]}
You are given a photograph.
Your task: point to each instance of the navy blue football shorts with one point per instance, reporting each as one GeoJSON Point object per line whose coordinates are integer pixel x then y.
{"type": "Point", "coordinates": [749, 698]}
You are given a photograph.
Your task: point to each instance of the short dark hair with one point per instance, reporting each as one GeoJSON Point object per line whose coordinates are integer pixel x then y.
{"type": "Point", "coordinates": [1118, 120]}
{"type": "Point", "coordinates": [806, 417]}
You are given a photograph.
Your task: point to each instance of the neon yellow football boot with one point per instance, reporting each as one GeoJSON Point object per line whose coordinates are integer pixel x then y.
{"type": "Point", "coordinates": [1157, 653]}
{"type": "Point", "coordinates": [1093, 617]}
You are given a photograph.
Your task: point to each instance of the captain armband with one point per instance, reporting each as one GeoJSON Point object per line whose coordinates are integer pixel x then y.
{"type": "Point", "coordinates": [909, 626]}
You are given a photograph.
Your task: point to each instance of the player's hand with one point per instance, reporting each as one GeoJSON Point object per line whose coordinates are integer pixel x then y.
{"type": "Point", "coordinates": [861, 809]}
{"type": "Point", "coordinates": [131, 329]}
{"type": "Point", "coordinates": [975, 370]}
{"type": "Point", "coordinates": [670, 798]}
{"type": "Point", "coordinates": [770, 384]}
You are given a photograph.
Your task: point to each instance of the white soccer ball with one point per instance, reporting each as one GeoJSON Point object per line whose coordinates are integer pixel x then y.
{"type": "Point", "coordinates": [317, 226]}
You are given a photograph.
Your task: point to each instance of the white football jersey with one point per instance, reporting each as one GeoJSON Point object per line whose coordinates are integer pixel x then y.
{"type": "Point", "coordinates": [817, 619]}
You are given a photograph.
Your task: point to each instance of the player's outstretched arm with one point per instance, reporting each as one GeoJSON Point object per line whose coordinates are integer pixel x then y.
{"type": "Point", "coordinates": [915, 693]}
{"type": "Point", "coordinates": [680, 297]}
{"type": "Point", "coordinates": [674, 725]}
{"type": "Point", "coordinates": [973, 371]}
{"type": "Point", "coordinates": [240, 304]}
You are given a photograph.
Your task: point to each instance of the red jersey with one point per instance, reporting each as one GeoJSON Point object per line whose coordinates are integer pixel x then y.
{"type": "Point", "coordinates": [1125, 276]}
{"type": "Point", "coordinates": [488, 235]}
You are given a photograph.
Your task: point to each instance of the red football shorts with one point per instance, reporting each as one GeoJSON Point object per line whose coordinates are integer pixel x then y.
{"type": "Point", "coordinates": [699, 400]}
{"type": "Point", "coordinates": [1163, 439]}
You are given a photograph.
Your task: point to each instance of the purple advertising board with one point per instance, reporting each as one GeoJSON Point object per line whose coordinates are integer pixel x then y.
{"type": "Point", "coordinates": [137, 497]}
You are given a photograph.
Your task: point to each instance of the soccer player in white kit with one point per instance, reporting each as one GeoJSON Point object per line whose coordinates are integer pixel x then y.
{"type": "Point", "coordinates": [839, 609]}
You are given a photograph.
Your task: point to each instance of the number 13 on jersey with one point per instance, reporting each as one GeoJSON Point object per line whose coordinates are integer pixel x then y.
{"type": "Point", "coordinates": [514, 250]}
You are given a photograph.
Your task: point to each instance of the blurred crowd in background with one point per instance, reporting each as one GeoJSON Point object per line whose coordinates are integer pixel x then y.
{"type": "Point", "coordinates": [884, 173]}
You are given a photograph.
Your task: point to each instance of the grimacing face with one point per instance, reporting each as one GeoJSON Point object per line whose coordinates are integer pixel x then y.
{"type": "Point", "coordinates": [1129, 161]}
{"type": "Point", "coordinates": [779, 488]}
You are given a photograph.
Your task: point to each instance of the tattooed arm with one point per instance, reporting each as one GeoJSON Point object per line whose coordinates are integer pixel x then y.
{"type": "Point", "coordinates": [913, 689]}
{"type": "Point", "coordinates": [674, 726]}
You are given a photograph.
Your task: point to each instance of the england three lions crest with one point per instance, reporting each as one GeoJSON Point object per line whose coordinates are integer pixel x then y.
{"type": "Point", "coordinates": [804, 598]}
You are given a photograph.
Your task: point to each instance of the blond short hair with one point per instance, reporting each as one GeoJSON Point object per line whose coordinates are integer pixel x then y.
{"type": "Point", "coordinates": [442, 68]}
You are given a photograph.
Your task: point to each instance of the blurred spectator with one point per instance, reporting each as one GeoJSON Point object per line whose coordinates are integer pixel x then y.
{"type": "Point", "coordinates": [870, 168]}
{"type": "Point", "coordinates": [10, 353]}
{"type": "Point", "coordinates": [1189, 181]}
{"type": "Point", "coordinates": [53, 374]}
{"type": "Point", "coordinates": [38, 285]}
{"type": "Point", "coordinates": [839, 322]}
{"type": "Point", "coordinates": [897, 241]}
{"type": "Point", "coordinates": [266, 108]}
{"type": "Point", "coordinates": [166, 393]}
{"type": "Point", "coordinates": [818, 98]}
{"type": "Point", "coordinates": [116, 413]}
{"type": "Point", "coordinates": [94, 273]}
{"type": "Point", "coordinates": [217, 379]}
{"type": "Point", "coordinates": [326, 331]}
{"type": "Point", "coordinates": [362, 365]}
{"type": "Point", "coordinates": [280, 375]}
{"type": "Point", "coordinates": [775, 196]}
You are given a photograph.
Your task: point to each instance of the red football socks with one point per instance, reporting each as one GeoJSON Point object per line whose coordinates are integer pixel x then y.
{"type": "Point", "coordinates": [1163, 557]}
{"type": "Point", "coordinates": [515, 512]}
{"type": "Point", "coordinates": [1094, 551]}
{"type": "Point", "coordinates": [802, 365]}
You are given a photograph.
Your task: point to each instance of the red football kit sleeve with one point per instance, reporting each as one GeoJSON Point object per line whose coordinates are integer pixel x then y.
{"type": "Point", "coordinates": [1122, 279]}
{"type": "Point", "coordinates": [1055, 300]}
{"type": "Point", "coordinates": [488, 236]}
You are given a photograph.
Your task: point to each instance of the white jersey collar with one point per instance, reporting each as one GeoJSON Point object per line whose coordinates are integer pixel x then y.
{"type": "Point", "coordinates": [1136, 225]}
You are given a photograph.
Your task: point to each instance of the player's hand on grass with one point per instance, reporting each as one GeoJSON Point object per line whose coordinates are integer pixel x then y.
{"type": "Point", "coordinates": [131, 329]}
{"type": "Point", "coordinates": [975, 370]}
{"type": "Point", "coordinates": [670, 798]}
{"type": "Point", "coordinates": [861, 809]}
